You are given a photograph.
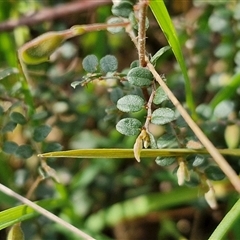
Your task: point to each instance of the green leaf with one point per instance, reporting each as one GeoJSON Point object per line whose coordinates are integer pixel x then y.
{"type": "Point", "coordinates": [53, 146]}
{"type": "Point", "coordinates": [161, 14]}
{"type": "Point", "coordinates": [158, 54]}
{"type": "Point", "coordinates": [199, 161]}
{"type": "Point", "coordinates": [21, 213]}
{"type": "Point", "coordinates": [8, 71]}
{"type": "Point", "coordinates": [39, 49]}
{"type": "Point", "coordinates": [9, 127]}
{"type": "Point", "coordinates": [165, 161]}
{"type": "Point", "coordinates": [122, 9]}
{"type": "Point", "coordinates": [214, 173]}
{"type": "Point", "coordinates": [90, 63]}
{"type": "Point", "coordinates": [227, 223]}
{"type": "Point", "coordinates": [18, 118]}
{"type": "Point", "coordinates": [135, 22]}
{"type": "Point", "coordinates": [130, 103]}
{"type": "Point", "coordinates": [223, 109]}
{"type": "Point", "coordinates": [140, 77]}
{"type": "Point", "coordinates": [167, 141]}
{"type": "Point", "coordinates": [24, 151]}
{"type": "Point", "coordinates": [162, 116]}
{"type": "Point", "coordinates": [108, 63]}
{"type": "Point", "coordinates": [114, 30]}
{"type": "Point", "coordinates": [9, 147]}
{"type": "Point", "coordinates": [160, 96]}
{"type": "Point", "coordinates": [41, 132]}
{"type": "Point", "coordinates": [116, 94]}
{"type": "Point", "coordinates": [134, 64]}
{"type": "Point", "coordinates": [204, 110]}
{"type": "Point", "coordinates": [15, 233]}
{"type": "Point", "coordinates": [129, 126]}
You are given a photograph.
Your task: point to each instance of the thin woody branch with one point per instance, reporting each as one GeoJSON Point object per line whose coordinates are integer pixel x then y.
{"type": "Point", "coordinates": [48, 14]}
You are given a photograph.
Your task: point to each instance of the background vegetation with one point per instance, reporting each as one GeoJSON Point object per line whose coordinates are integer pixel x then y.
{"type": "Point", "coordinates": [115, 198]}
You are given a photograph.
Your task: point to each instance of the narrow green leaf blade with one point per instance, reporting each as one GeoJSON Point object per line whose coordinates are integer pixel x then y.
{"type": "Point", "coordinates": [128, 153]}
{"type": "Point", "coordinates": [23, 212]}
{"type": "Point", "coordinates": [161, 14]}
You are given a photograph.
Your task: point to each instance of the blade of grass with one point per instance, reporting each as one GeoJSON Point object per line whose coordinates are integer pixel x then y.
{"type": "Point", "coordinates": [161, 14]}
{"type": "Point", "coordinates": [44, 212]}
{"type": "Point", "coordinates": [227, 222]}
{"type": "Point", "coordinates": [23, 212]}
{"type": "Point", "coordinates": [128, 153]}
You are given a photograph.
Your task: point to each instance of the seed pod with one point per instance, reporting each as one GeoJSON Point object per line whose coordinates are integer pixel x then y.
{"type": "Point", "coordinates": [210, 196]}
{"type": "Point", "coordinates": [39, 49]}
{"type": "Point", "coordinates": [232, 135]}
{"type": "Point", "coordinates": [15, 233]}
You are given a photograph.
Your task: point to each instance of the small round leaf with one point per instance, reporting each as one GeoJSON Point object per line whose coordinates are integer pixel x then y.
{"type": "Point", "coordinates": [130, 103]}
{"type": "Point", "coordinates": [9, 147]}
{"type": "Point", "coordinates": [114, 30]}
{"type": "Point", "coordinates": [140, 77]}
{"type": "Point", "coordinates": [167, 141]}
{"type": "Point", "coordinates": [9, 127]}
{"type": "Point", "coordinates": [214, 173]}
{"type": "Point", "coordinates": [18, 118]}
{"type": "Point", "coordinates": [116, 94]}
{"type": "Point", "coordinates": [24, 151]}
{"type": "Point", "coordinates": [129, 126]}
{"type": "Point", "coordinates": [41, 132]}
{"type": "Point", "coordinates": [52, 147]}
{"type": "Point", "coordinates": [199, 161]}
{"type": "Point", "coordinates": [165, 161]}
{"type": "Point", "coordinates": [108, 63]}
{"type": "Point", "coordinates": [162, 116]}
{"type": "Point", "coordinates": [122, 9]}
{"type": "Point", "coordinates": [90, 63]}
{"type": "Point", "coordinates": [160, 96]}
{"type": "Point", "coordinates": [134, 64]}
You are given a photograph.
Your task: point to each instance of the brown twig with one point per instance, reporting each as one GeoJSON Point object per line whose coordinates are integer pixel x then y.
{"type": "Point", "coordinates": [48, 14]}
{"type": "Point", "coordinates": [142, 32]}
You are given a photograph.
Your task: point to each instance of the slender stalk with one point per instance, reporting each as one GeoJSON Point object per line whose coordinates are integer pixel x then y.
{"type": "Point", "coordinates": [44, 212]}
{"type": "Point", "coordinates": [80, 29]}
{"type": "Point", "coordinates": [219, 159]}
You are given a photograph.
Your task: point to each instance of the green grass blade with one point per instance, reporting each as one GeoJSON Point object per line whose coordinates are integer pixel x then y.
{"type": "Point", "coordinates": [227, 91]}
{"type": "Point", "coordinates": [161, 14]}
{"type": "Point", "coordinates": [227, 222]}
{"type": "Point", "coordinates": [23, 212]}
{"type": "Point", "coordinates": [128, 153]}
{"type": "Point", "coordinates": [140, 206]}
